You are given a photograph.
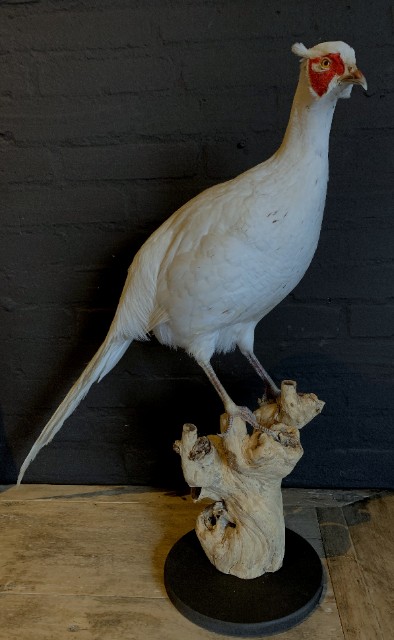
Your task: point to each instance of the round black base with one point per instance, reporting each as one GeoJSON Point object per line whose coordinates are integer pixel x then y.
{"type": "Point", "coordinates": [261, 606]}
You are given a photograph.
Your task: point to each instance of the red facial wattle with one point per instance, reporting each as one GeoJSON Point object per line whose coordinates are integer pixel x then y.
{"type": "Point", "coordinates": [320, 78]}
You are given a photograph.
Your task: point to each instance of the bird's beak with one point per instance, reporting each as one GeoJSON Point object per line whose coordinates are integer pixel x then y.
{"type": "Point", "coordinates": [355, 77]}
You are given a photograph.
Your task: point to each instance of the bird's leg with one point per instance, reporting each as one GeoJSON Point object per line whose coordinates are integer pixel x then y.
{"type": "Point", "coordinates": [271, 388]}
{"type": "Point", "coordinates": [230, 407]}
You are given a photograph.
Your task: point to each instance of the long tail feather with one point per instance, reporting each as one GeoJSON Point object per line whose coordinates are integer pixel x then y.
{"type": "Point", "coordinates": [102, 362]}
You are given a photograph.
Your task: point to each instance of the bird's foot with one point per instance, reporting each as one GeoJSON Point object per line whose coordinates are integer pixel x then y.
{"type": "Point", "coordinates": [248, 416]}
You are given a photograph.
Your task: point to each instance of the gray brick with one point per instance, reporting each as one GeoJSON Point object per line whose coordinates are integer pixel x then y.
{"type": "Point", "coordinates": [213, 22]}
{"type": "Point", "coordinates": [42, 387]}
{"type": "Point", "coordinates": [83, 462]}
{"type": "Point", "coordinates": [54, 285]}
{"type": "Point", "coordinates": [80, 76]}
{"type": "Point", "coordinates": [362, 356]}
{"type": "Point", "coordinates": [147, 359]}
{"type": "Point", "coordinates": [80, 246]}
{"type": "Point", "coordinates": [76, 30]}
{"type": "Point", "coordinates": [355, 468]}
{"type": "Point", "coordinates": [296, 323]}
{"type": "Point", "coordinates": [370, 395]}
{"type": "Point", "coordinates": [346, 282]}
{"type": "Point", "coordinates": [60, 118]}
{"type": "Point", "coordinates": [227, 158]}
{"type": "Point", "coordinates": [44, 362]}
{"type": "Point", "coordinates": [354, 116]}
{"type": "Point", "coordinates": [370, 245]}
{"type": "Point", "coordinates": [93, 323]}
{"type": "Point", "coordinates": [121, 390]}
{"type": "Point", "coordinates": [15, 76]}
{"type": "Point", "coordinates": [144, 360]}
{"type": "Point", "coordinates": [151, 202]}
{"type": "Point", "coordinates": [25, 165]}
{"type": "Point", "coordinates": [355, 158]}
{"type": "Point", "coordinates": [230, 111]}
{"type": "Point", "coordinates": [128, 162]}
{"type": "Point", "coordinates": [21, 322]}
{"type": "Point", "coordinates": [372, 321]}
{"type": "Point", "coordinates": [367, 382]}
{"type": "Point", "coordinates": [168, 113]}
{"type": "Point", "coordinates": [363, 213]}
{"type": "Point", "coordinates": [363, 426]}
{"type": "Point", "coordinates": [213, 67]}
{"type": "Point", "coordinates": [79, 428]}
{"type": "Point", "coordinates": [95, 246]}
{"type": "Point", "coordinates": [372, 111]}
{"type": "Point", "coordinates": [349, 19]}
{"type": "Point", "coordinates": [32, 250]}
{"type": "Point", "coordinates": [67, 205]}
{"type": "Point", "coordinates": [106, 118]}
{"type": "Point", "coordinates": [56, 118]}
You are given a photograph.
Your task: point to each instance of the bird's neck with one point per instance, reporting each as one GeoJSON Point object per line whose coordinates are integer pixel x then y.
{"type": "Point", "coordinates": [309, 125]}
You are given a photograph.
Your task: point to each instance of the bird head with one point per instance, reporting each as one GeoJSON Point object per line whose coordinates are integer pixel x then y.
{"type": "Point", "coordinates": [330, 69]}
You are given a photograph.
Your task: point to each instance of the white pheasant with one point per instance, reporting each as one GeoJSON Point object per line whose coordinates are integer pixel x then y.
{"type": "Point", "coordinates": [220, 263]}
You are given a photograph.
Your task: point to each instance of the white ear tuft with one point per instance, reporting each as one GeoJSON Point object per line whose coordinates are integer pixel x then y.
{"type": "Point", "coordinates": [300, 50]}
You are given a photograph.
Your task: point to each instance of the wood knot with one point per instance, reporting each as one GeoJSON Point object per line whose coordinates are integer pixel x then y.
{"type": "Point", "coordinates": [200, 448]}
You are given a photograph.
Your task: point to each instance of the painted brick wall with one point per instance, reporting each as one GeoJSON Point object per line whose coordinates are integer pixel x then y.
{"type": "Point", "coordinates": [113, 114]}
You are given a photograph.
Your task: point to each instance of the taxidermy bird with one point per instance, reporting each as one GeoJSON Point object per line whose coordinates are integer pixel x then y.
{"type": "Point", "coordinates": [220, 263]}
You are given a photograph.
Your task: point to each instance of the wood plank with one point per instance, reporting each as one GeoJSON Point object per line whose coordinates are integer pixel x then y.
{"type": "Point", "coordinates": [87, 548]}
{"type": "Point", "coordinates": [357, 613]}
{"type": "Point", "coordinates": [124, 493]}
{"type": "Point", "coordinates": [304, 522]}
{"type": "Point", "coordinates": [71, 538]}
{"type": "Point", "coordinates": [24, 617]}
{"type": "Point", "coordinates": [323, 497]}
{"type": "Point", "coordinates": [81, 493]}
{"type": "Point", "coordinates": [69, 555]}
{"type": "Point", "coordinates": [371, 525]}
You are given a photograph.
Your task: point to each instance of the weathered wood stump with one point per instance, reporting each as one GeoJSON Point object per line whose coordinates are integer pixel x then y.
{"type": "Point", "coordinates": [243, 531]}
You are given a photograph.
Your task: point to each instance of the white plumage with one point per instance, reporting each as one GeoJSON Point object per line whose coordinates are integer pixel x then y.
{"type": "Point", "coordinates": [220, 263]}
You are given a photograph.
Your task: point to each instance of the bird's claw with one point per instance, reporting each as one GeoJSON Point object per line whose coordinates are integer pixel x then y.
{"type": "Point", "coordinates": [244, 413]}
{"type": "Point", "coordinates": [248, 416]}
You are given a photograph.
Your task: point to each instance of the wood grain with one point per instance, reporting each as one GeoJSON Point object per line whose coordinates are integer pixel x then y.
{"type": "Point", "coordinates": [87, 562]}
{"type": "Point", "coordinates": [87, 548]}
{"type": "Point", "coordinates": [124, 493]}
{"type": "Point", "coordinates": [102, 618]}
{"type": "Point", "coordinates": [371, 525]}
{"type": "Point", "coordinates": [356, 610]}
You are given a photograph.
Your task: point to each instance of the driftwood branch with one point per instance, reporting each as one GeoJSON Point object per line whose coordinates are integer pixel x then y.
{"type": "Point", "coordinates": [242, 532]}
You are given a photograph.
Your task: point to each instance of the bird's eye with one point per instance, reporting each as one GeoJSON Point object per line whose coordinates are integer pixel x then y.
{"type": "Point", "coordinates": [325, 63]}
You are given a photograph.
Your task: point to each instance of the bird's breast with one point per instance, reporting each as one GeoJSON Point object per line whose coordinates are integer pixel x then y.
{"type": "Point", "coordinates": [237, 272]}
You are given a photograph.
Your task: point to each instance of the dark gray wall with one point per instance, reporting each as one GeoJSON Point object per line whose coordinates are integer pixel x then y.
{"type": "Point", "coordinates": [113, 114]}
